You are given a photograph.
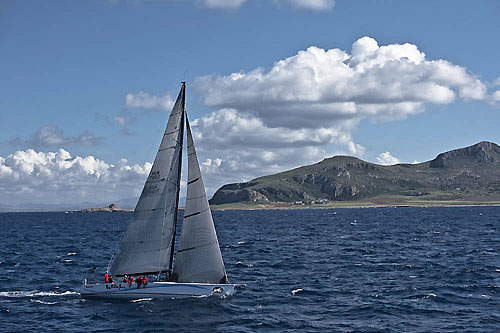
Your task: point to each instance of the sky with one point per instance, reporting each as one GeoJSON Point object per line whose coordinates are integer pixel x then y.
{"type": "Point", "coordinates": [86, 87]}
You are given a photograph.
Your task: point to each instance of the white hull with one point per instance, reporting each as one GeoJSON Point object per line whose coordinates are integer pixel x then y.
{"type": "Point", "coordinates": [156, 290]}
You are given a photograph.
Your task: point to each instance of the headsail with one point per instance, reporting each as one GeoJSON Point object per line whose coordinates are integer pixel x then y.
{"type": "Point", "coordinates": [198, 257]}
{"type": "Point", "coordinates": [145, 248]}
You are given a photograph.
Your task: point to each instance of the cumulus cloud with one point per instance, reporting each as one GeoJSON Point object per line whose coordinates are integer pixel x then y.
{"type": "Point", "coordinates": [144, 100]}
{"type": "Point", "coordinates": [307, 106]}
{"type": "Point", "coordinates": [52, 136]}
{"type": "Point", "coordinates": [222, 4]}
{"type": "Point", "coordinates": [387, 159]}
{"type": "Point", "coordinates": [379, 82]}
{"type": "Point", "coordinates": [315, 5]}
{"type": "Point", "coordinates": [58, 177]}
{"type": "Point", "coordinates": [496, 96]}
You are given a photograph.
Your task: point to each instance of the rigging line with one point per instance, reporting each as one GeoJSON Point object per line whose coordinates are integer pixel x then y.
{"type": "Point", "coordinates": [161, 258]}
{"type": "Point", "coordinates": [183, 90]}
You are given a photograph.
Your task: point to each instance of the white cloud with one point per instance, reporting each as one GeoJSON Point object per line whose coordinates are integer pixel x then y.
{"type": "Point", "coordinates": [144, 100]}
{"type": "Point", "coordinates": [52, 136]}
{"type": "Point", "coordinates": [387, 159]}
{"type": "Point", "coordinates": [236, 146]}
{"type": "Point", "coordinates": [315, 5]}
{"type": "Point", "coordinates": [57, 177]}
{"type": "Point", "coordinates": [222, 4]}
{"type": "Point", "coordinates": [380, 82]}
{"type": "Point", "coordinates": [496, 96]}
{"type": "Point", "coordinates": [307, 107]}
{"type": "Point", "coordinates": [120, 120]}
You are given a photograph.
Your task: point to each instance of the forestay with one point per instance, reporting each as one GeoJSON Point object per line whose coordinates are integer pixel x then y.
{"type": "Point", "coordinates": [145, 248]}
{"type": "Point", "coordinates": [198, 257]}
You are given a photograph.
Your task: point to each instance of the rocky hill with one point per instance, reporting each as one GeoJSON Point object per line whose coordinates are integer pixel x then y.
{"type": "Point", "coordinates": [471, 172]}
{"type": "Point", "coordinates": [109, 209]}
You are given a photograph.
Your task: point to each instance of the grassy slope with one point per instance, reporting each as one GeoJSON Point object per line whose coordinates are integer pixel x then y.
{"type": "Point", "coordinates": [467, 176]}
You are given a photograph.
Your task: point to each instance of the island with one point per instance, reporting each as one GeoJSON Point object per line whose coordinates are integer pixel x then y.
{"type": "Point", "coordinates": [465, 176]}
{"type": "Point", "coordinates": [109, 209]}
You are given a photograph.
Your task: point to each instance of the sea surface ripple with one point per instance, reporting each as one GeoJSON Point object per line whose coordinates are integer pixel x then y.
{"type": "Point", "coordinates": [334, 270]}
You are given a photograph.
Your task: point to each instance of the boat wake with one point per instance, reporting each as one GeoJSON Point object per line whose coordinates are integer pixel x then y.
{"type": "Point", "coordinates": [34, 293]}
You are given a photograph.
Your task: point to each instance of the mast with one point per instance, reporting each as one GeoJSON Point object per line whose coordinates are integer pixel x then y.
{"type": "Point", "coordinates": [178, 180]}
{"type": "Point", "coordinates": [198, 258]}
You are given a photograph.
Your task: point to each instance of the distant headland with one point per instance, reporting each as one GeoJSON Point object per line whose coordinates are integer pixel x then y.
{"type": "Point", "coordinates": [109, 209]}
{"type": "Point", "coordinates": [465, 176]}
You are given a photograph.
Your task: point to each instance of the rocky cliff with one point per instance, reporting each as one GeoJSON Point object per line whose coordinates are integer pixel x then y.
{"type": "Point", "coordinates": [467, 172]}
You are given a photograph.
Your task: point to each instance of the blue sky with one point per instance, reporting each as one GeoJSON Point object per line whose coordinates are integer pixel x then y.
{"type": "Point", "coordinates": [67, 68]}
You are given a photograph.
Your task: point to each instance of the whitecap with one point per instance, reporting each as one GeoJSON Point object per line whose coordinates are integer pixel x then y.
{"type": "Point", "coordinates": [430, 295]}
{"type": "Point", "coordinates": [42, 302]}
{"type": "Point", "coordinates": [71, 254]}
{"type": "Point", "coordinates": [297, 291]}
{"type": "Point", "coordinates": [141, 300]}
{"type": "Point", "coordinates": [240, 243]}
{"type": "Point", "coordinates": [239, 263]}
{"type": "Point", "coordinates": [17, 264]}
{"type": "Point", "coordinates": [67, 260]}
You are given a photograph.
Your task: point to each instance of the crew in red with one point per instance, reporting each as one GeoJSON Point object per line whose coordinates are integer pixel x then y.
{"type": "Point", "coordinates": [106, 277]}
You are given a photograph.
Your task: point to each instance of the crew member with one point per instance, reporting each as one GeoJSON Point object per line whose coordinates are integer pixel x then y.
{"type": "Point", "coordinates": [106, 277]}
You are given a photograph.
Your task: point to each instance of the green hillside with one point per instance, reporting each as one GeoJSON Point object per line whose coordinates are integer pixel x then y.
{"type": "Point", "coordinates": [466, 174]}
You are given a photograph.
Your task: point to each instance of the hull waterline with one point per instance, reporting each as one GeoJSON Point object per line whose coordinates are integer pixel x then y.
{"type": "Point", "coordinates": [156, 290]}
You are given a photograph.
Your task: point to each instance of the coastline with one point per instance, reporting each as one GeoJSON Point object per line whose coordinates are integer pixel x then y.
{"type": "Point", "coordinates": [351, 205]}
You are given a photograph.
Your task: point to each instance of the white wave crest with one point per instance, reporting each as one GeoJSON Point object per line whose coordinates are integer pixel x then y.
{"type": "Point", "coordinates": [141, 300]}
{"type": "Point", "coordinates": [34, 293]}
{"type": "Point", "coordinates": [42, 302]}
{"type": "Point", "coordinates": [297, 291]}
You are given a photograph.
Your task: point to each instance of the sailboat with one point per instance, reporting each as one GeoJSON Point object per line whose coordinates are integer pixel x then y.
{"type": "Point", "coordinates": [147, 248]}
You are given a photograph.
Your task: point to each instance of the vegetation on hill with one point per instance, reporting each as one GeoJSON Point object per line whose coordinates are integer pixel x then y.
{"type": "Point", "coordinates": [471, 173]}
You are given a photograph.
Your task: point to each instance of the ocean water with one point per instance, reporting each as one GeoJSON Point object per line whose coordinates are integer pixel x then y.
{"type": "Point", "coordinates": [345, 270]}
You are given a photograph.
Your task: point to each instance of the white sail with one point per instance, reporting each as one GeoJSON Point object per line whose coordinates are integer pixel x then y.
{"type": "Point", "coordinates": [198, 257]}
{"type": "Point", "coordinates": [146, 246]}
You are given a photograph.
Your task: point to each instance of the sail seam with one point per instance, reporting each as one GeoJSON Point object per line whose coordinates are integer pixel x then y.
{"type": "Point", "coordinates": [201, 196]}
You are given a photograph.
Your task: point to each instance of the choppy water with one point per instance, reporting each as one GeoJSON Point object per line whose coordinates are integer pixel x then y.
{"type": "Point", "coordinates": [378, 269]}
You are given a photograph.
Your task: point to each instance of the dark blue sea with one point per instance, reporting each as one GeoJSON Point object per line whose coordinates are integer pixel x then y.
{"type": "Point", "coordinates": [345, 270]}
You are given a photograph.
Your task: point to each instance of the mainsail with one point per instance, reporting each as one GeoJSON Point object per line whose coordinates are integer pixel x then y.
{"type": "Point", "coordinates": [146, 246]}
{"type": "Point", "coordinates": [198, 257]}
